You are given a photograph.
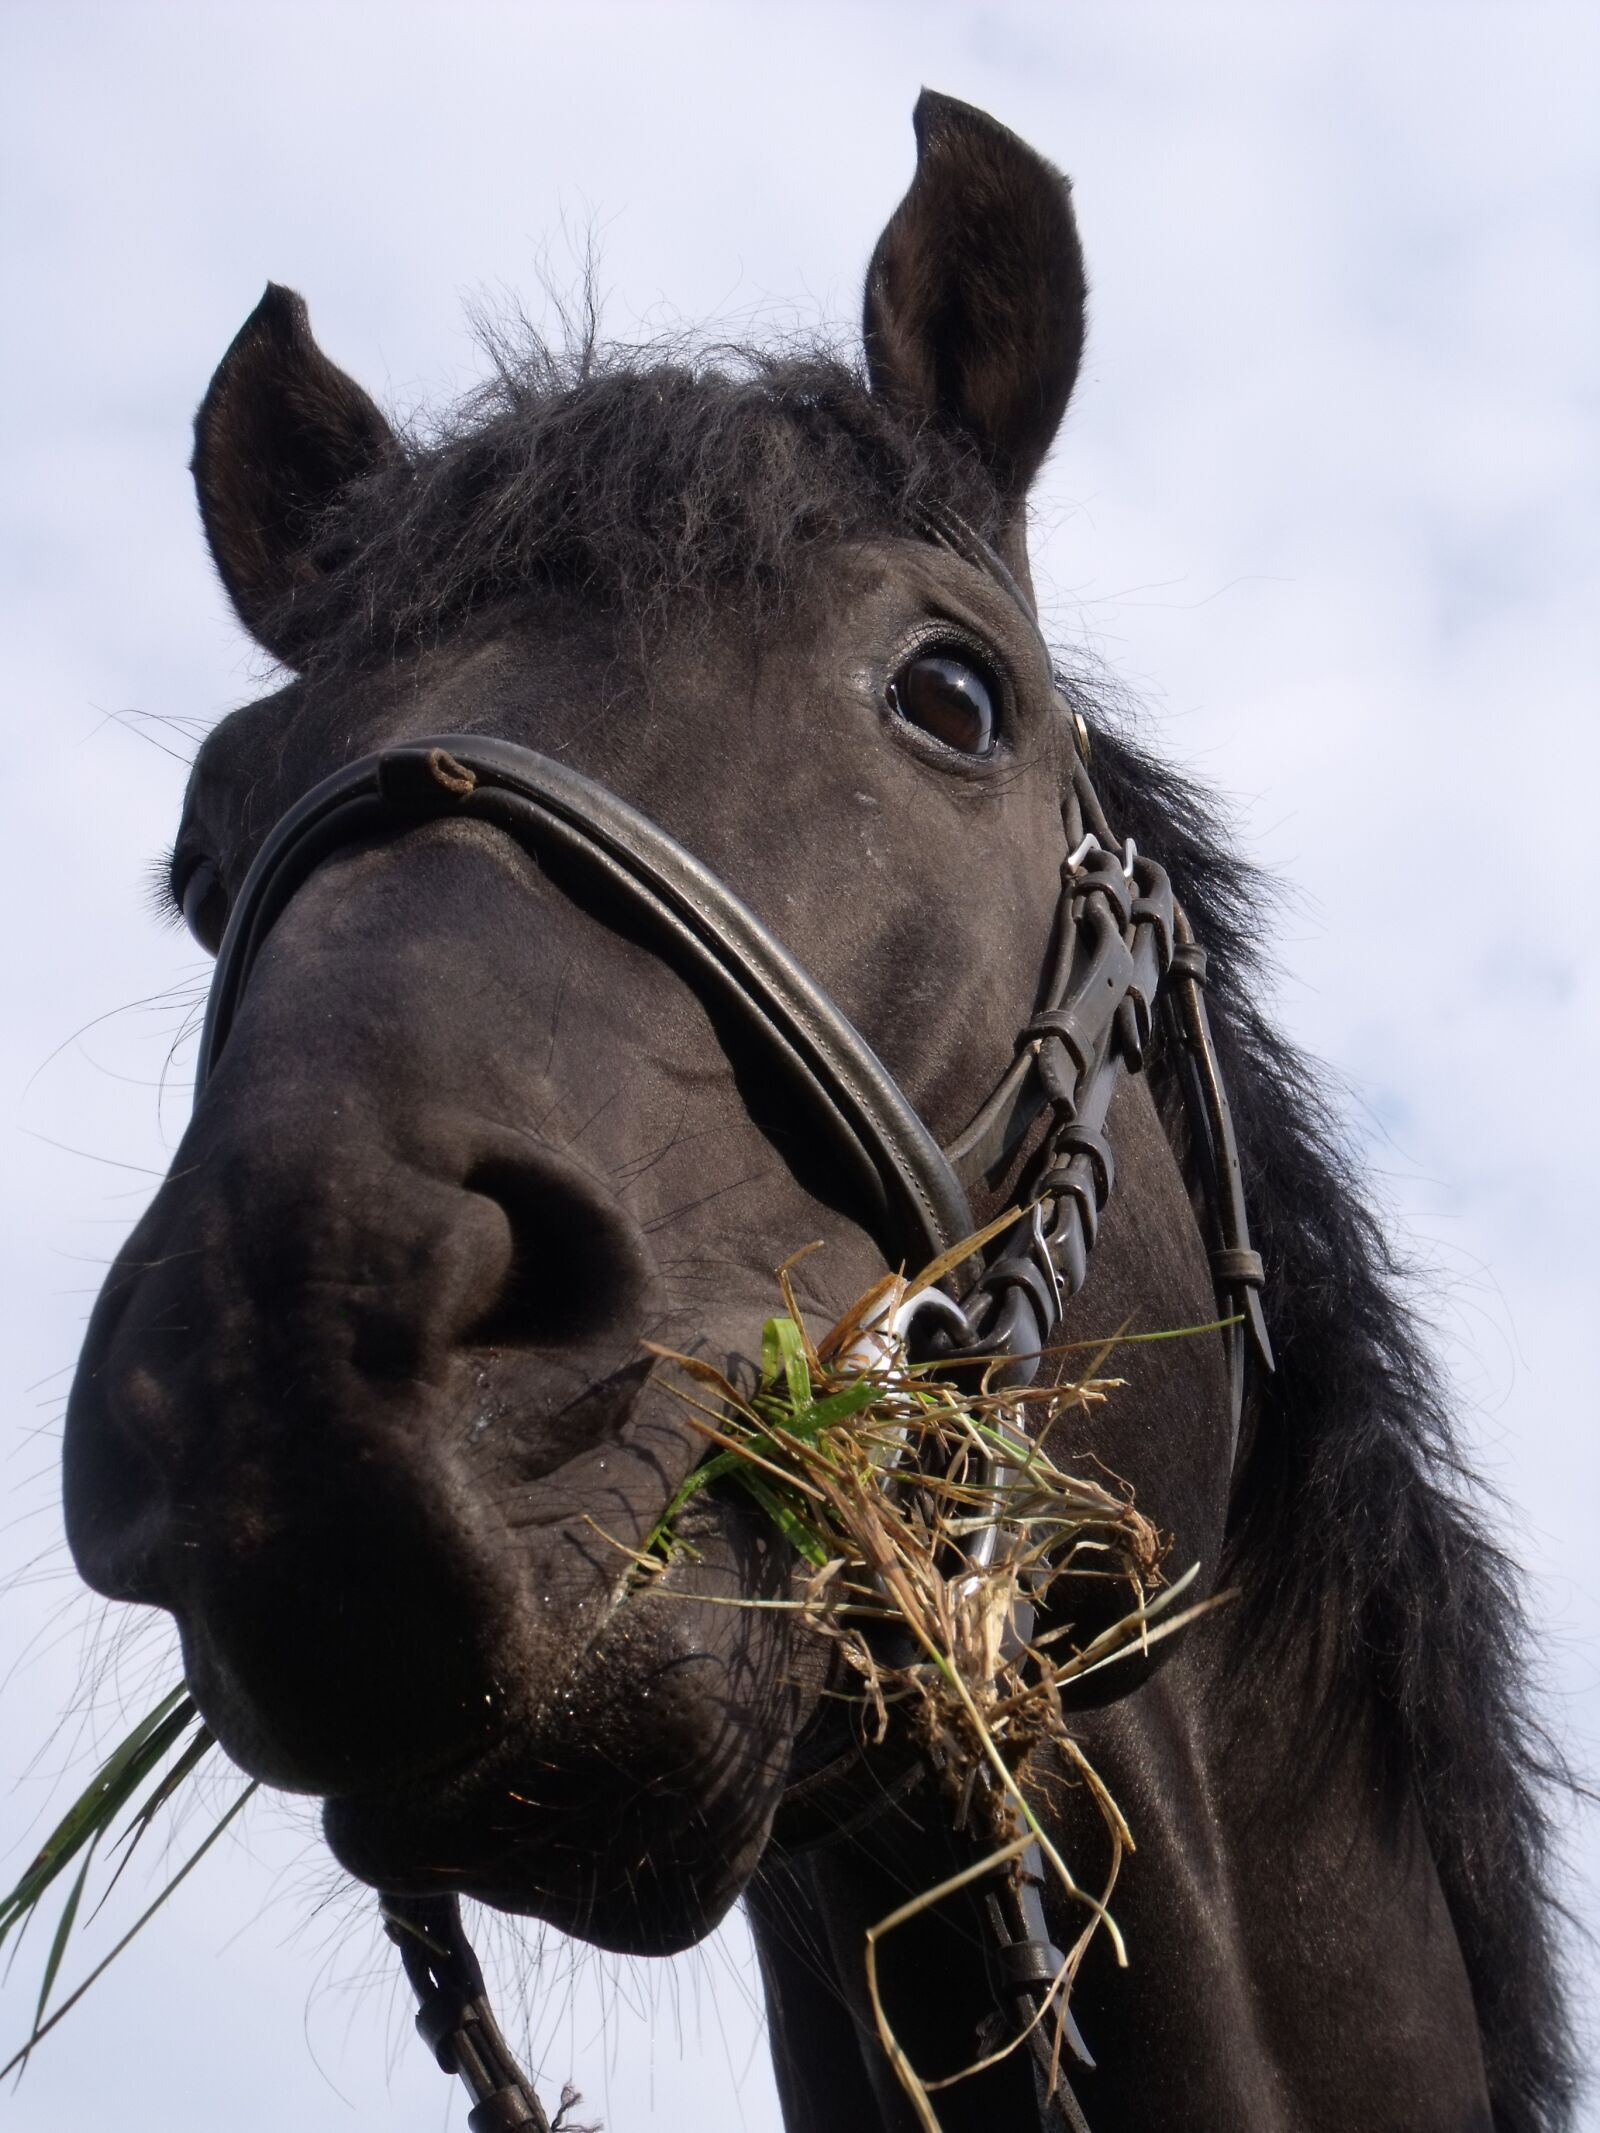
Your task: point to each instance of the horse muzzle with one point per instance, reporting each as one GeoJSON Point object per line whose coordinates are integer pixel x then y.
{"type": "Point", "coordinates": [335, 1408]}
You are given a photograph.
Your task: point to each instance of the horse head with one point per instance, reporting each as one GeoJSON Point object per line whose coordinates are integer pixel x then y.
{"type": "Point", "coordinates": [369, 1401]}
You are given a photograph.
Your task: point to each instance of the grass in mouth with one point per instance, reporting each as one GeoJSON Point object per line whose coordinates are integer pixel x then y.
{"type": "Point", "coordinates": [888, 1483]}
{"type": "Point", "coordinates": [930, 1506]}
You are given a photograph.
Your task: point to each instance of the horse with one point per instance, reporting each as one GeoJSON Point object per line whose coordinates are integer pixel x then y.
{"type": "Point", "coordinates": [366, 1402]}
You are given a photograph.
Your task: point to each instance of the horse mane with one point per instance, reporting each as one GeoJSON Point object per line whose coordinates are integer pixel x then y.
{"type": "Point", "coordinates": [1360, 1520]}
{"type": "Point", "coordinates": [651, 478]}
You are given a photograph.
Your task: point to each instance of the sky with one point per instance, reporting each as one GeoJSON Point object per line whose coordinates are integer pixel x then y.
{"type": "Point", "coordinates": [1326, 505]}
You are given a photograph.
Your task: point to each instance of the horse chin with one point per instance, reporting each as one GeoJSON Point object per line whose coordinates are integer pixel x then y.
{"type": "Point", "coordinates": [496, 1704]}
{"type": "Point", "coordinates": [629, 1806]}
{"type": "Point", "coordinates": [636, 1883]}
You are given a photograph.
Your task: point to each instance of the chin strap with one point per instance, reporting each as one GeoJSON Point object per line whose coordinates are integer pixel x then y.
{"type": "Point", "coordinates": [454, 2018]}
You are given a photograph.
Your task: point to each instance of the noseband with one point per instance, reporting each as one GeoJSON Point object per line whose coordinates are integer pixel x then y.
{"type": "Point", "coordinates": [1122, 956]}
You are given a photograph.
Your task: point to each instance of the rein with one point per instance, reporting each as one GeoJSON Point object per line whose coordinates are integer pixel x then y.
{"type": "Point", "coordinates": [1123, 955]}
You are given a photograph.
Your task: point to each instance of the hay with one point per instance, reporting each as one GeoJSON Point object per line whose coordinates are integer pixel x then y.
{"type": "Point", "coordinates": [923, 1506]}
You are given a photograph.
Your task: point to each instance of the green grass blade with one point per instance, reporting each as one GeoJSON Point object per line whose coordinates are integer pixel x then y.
{"type": "Point", "coordinates": [134, 1763]}
{"type": "Point", "coordinates": [98, 1805]}
{"type": "Point", "coordinates": [793, 1525]}
{"type": "Point", "coordinates": [43, 2029]}
{"type": "Point", "coordinates": [709, 1470]}
{"type": "Point", "coordinates": [814, 1416]}
{"type": "Point", "coordinates": [63, 1933]}
{"type": "Point", "coordinates": [771, 1354]}
{"type": "Point", "coordinates": [191, 1758]}
{"type": "Point", "coordinates": [785, 1403]}
{"type": "Point", "coordinates": [82, 1814]}
{"type": "Point", "coordinates": [783, 1358]}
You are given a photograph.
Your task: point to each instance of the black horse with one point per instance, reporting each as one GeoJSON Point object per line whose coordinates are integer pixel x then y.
{"type": "Point", "coordinates": [368, 1377]}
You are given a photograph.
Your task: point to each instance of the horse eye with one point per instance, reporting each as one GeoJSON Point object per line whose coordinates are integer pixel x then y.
{"type": "Point", "coordinates": [205, 905]}
{"type": "Point", "coordinates": [948, 697]}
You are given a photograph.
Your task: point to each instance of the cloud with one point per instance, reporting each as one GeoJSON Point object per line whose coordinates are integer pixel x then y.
{"type": "Point", "coordinates": [1327, 499]}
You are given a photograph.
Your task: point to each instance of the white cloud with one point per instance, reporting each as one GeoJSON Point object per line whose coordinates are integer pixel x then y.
{"type": "Point", "coordinates": [1327, 497]}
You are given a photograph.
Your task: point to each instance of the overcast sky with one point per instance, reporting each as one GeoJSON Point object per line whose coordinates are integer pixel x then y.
{"type": "Point", "coordinates": [1326, 503]}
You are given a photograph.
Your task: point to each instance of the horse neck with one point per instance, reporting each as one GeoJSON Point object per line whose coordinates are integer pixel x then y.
{"type": "Point", "coordinates": [811, 1915]}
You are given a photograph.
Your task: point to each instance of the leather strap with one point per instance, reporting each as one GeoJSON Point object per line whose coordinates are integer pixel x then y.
{"type": "Point", "coordinates": [454, 2018]}
{"type": "Point", "coordinates": [918, 1206]}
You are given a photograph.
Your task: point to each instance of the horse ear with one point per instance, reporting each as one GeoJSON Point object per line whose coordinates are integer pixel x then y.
{"type": "Point", "coordinates": [975, 295]}
{"type": "Point", "coordinates": [280, 433]}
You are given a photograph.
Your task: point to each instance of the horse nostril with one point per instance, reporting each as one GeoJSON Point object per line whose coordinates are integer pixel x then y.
{"type": "Point", "coordinates": [579, 1265]}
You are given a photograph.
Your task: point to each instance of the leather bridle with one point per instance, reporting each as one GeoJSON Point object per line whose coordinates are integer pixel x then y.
{"type": "Point", "coordinates": [1122, 956]}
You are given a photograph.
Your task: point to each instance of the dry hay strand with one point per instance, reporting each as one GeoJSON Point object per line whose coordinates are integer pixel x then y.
{"type": "Point", "coordinates": [930, 1508]}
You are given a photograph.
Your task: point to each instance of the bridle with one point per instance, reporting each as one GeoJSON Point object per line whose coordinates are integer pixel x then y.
{"type": "Point", "coordinates": [1122, 956]}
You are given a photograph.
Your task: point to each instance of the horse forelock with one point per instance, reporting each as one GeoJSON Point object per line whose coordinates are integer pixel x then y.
{"type": "Point", "coordinates": [653, 480]}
